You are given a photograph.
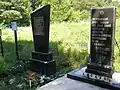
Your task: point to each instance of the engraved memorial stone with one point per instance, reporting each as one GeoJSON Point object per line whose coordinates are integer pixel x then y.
{"type": "Point", "coordinates": [100, 70]}
{"type": "Point", "coordinates": [102, 41]}
{"type": "Point", "coordinates": [40, 20]}
{"type": "Point", "coordinates": [42, 60]}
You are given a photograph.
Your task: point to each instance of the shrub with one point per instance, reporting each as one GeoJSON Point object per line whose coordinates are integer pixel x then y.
{"type": "Point", "coordinates": [60, 10]}
{"type": "Point", "coordinates": [10, 15]}
{"type": "Point", "coordinates": [117, 5]}
{"type": "Point", "coordinates": [4, 67]}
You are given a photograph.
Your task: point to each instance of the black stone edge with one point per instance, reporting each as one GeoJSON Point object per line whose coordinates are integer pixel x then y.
{"type": "Point", "coordinates": [42, 52]}
{"type": "Point", "coordinates": [42, 56]}
{"type": "Point", "coordinates": [91, 81]}
{"type": "Point", "coordinates": [97, 72]}
{"type": "Point", "coordinates": [45, 62]}
{"type": "Point", "coordinates": [100, 68]}
{"type": "Point", "coordinates": [46, 6]}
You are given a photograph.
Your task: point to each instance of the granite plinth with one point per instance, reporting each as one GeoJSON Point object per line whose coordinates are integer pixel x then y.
{"type": "Point", "coordinates": [43, 63]}
{"type": "Point", "coordinates": [102, 70]}
{"type": "Point", "coordinates": [105, 82]}
{"type": "Point", "coordinates": [43, 67]}
{"type": "Point", "coordinates": [42, 56]}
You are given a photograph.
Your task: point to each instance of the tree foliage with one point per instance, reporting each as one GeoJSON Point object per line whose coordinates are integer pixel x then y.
{"type": "Point", "coordinates": [61, 10]}
{"type": "Point", "coordinates": [7, 12]}
{"type": "Point", "coordinates": [11, 10]}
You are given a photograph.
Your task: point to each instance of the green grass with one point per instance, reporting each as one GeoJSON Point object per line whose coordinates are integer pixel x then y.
{"type": "Point", "coordinates": [69, 43]}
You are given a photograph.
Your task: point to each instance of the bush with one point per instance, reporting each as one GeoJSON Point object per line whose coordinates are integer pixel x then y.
{"type": "Point", "coordinates": [4, 67]}
{"type": "Point", "coordinates": [76, 10]}
{"type": "Point", "coordinates": [84, 15]}
{"type": "Point", "coordinates": [60, 10]}
{"type": "Point", "coordinates": [117, 5]}
{"type": "Point", "coordinates": [75, 16]}
{"type": "Point", "coordinates": [8, 16]}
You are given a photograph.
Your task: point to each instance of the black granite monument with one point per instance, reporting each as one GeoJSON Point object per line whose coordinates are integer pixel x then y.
{"type": "Point", "coordinates": [100, 70]}
{"type": "Point", "coordinates": [42, 60]}
{"type": "Point", "coordinates": [102, 42]}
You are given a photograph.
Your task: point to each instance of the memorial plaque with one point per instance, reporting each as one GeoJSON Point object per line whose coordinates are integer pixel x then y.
{"type": "Point", "coordinates": [102, 35]}
{"type": "Point", "coordinates": [39, 25]}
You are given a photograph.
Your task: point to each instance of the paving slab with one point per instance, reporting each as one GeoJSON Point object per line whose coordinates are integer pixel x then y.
{"type": "Point", "coordinates": [64, 83]}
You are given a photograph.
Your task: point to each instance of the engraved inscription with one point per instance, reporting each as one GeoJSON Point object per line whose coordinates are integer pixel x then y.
{"type": "Point", "coordinates": [102, 35]}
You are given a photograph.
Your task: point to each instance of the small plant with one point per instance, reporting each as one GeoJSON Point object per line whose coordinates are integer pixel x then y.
{"type": "Point", "coordinates": [4, 68]}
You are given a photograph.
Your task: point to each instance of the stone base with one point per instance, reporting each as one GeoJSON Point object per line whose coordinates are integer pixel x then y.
{"type": "Point", "coordinates": [105, 82]}
{"type": "Point", "coordinates": [43, 63]}
{"type": "Point", "coordinates": [42, 56]}
{"type": "Point", "coordinates": [44, 68]}
{"type": "Point", "coordinates": [97, 69]}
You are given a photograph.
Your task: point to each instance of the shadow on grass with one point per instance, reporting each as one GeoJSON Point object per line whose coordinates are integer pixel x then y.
{"type": "Point", "coordinates": [9, 59]}
{"type": "Point", "coordinates": [24, 49]}
{"type": "Point", "coordinates": [65, 60]}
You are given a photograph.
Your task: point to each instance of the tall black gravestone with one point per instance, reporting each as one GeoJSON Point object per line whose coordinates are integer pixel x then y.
{"type": "Point", "coordinates": [100, 71]}
{"type": "Point", "coordinates": [42, 60]}
{"type": "Point", "coordinates": [102, 42]}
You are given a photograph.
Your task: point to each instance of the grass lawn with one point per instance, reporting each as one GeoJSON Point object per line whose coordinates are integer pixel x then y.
{"type": "Point", "coordinates": [69, 43]}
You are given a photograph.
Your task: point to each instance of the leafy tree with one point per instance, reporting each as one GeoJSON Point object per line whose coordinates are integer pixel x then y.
{"type": "Point", "coordinates": [38, 3]}
{"type": "Point", "coordinates": [27, 9]}
{"type": "Point", "coordinates": [11, 10]}
{"type": "Point", "coordinates": [108, 1]}
{"type": "Point", "coordinates": [60, 9]}
{"type": "Point", "coordinates": [8, 12]}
